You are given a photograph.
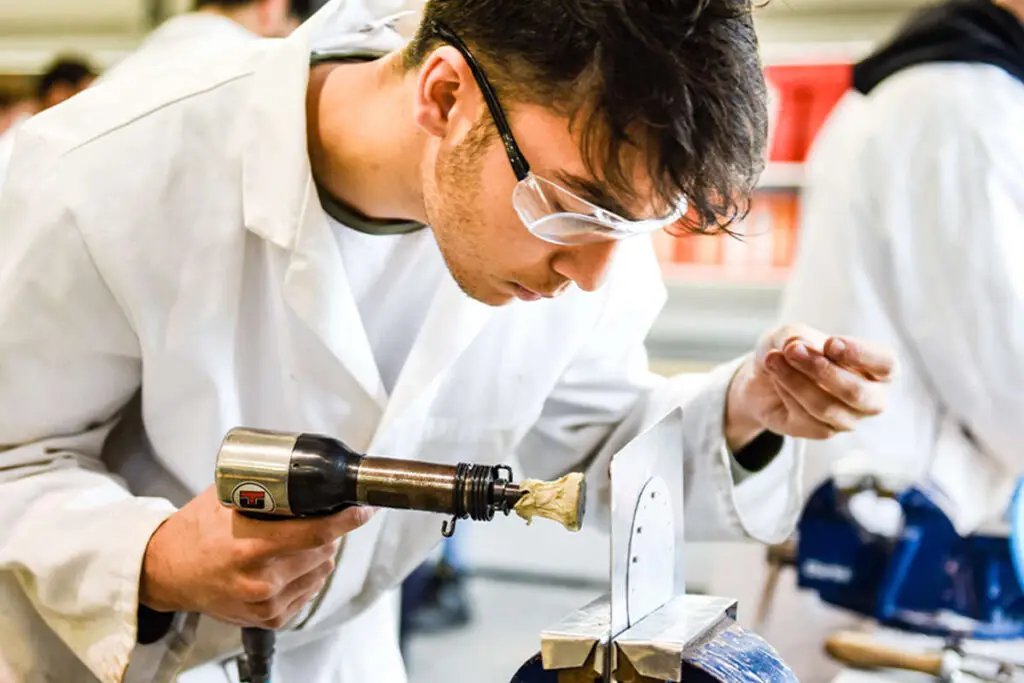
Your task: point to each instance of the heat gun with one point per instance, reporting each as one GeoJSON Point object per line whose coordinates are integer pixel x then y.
{"type": "Point", "coordinates": [272, 475]}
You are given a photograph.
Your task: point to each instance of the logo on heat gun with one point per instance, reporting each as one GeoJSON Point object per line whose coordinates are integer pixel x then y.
{"type": "Point", "coordinates": [253, 496]}
{"type": "Point", "coordinates": [252, 499]}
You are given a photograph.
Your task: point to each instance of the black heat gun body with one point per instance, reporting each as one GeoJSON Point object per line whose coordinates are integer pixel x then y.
{"type": "Point", "coordinates": [274, 475]}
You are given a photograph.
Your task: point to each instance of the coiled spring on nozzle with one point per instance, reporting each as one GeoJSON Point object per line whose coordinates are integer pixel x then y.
{"type": "Point", "coordinates": [479, 492]}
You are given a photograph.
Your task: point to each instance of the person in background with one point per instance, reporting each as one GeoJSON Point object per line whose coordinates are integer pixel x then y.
{"type": "Point", "coordinates": [64, 78]}
{"type": "Point", "coordinates": [266, 18]}
{"type": "Point", "coordinates": [216, 25]}
{"type": "Point", "coordinates": [912, 235]}
{"type": "Point", "coordinates": [6, 110]}
{"type": "Point", "coordinates": [435, 597]}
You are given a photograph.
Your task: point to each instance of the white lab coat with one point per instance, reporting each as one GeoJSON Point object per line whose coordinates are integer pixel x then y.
{"type": "Point", "coordinates": [174, 245]}
{"type": "Point", "coordinates": [179, 37]}
{"type": "Point", "coordinates": [7, 145]}
{"type": "Point", "coordinates": [912, 235]}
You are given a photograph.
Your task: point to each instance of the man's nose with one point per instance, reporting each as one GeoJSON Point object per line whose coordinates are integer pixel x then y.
{"type": "Point", "coordinates": [585, 264]}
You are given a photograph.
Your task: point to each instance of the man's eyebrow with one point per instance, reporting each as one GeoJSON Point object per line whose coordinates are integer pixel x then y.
{"type": "Point", "coordinates": [592, 192]}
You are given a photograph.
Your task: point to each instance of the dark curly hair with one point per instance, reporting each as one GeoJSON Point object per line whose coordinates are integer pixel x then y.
{"type": "Point", "coordinates": [678, 82]}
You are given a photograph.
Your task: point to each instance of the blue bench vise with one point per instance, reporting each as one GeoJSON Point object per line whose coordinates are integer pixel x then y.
{"type": "Point", "coordinates": [926, 578]}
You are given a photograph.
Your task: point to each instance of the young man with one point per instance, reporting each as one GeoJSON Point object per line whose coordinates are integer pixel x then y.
{"type": "Point", "coordinates": [243, 241]}
{"type": "Point", "coordinates": [912, 233]}
{"type": "Point", "coordinates": [66, 77]}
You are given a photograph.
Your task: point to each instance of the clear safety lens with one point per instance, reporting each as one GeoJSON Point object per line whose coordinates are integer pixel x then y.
{"type": "Point", "coordinates": [556, 215]}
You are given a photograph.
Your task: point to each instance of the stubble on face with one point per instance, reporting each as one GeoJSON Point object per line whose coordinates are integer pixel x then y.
{"type": "Point", "coordinates": [451, 193]}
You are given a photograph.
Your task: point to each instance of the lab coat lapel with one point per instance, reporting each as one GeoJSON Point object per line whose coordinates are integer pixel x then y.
{"type": "Point", "coordinates": [317, 288]}
{"type": "Point", "coordinates": [276, 171]}
{"type": "Point", "coordinates": [453, 322]}
{"type": "Point", "coordinates": [280, 204]}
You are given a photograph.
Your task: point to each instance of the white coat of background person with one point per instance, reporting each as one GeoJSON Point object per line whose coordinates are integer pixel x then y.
{"type": "Point", "coordinates": [212, 25]}
{"type": "Point", "coordinates": [912, 233]}
{"type": "Point", "coordinates": [62, 79]}
{"type": "Point", "coordinates": [212, 280]}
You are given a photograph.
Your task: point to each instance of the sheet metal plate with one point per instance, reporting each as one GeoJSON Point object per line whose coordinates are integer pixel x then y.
{"type": "Point", "coordinates": [656, 452]}
{"type": "Point", "coordinates": [652, 552]}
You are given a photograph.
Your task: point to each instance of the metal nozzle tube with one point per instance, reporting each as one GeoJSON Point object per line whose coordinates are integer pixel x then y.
{"type": "Point", "coordinates": [407, 485]}
{"type": "Point", "coordinates": [506, 495]}
{"type": "Point", "coordinates": [475, 491]}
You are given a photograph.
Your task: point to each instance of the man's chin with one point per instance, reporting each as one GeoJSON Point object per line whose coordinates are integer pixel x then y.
{"type": "Point", "coordinates": [489, 296]}
{"type": "Point", "coordinates": [496, 299]}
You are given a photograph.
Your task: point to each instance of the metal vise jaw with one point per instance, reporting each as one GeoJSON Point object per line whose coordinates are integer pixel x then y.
{"type": "Point", "coordinates": [692, 638]}
{"type": "Point", "coordinates": [646, 629]}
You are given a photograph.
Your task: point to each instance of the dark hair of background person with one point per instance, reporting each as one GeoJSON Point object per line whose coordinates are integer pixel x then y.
{"type": "Point", "coordinates": [300, 9]}
{"type": "Point", "coordinates": [66, 71]}
{"type": "Point", "coordinates": [678, 81]}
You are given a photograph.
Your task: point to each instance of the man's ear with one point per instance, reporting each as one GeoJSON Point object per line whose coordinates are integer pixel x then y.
{"type": "Point", "coordinates": [447, 100]}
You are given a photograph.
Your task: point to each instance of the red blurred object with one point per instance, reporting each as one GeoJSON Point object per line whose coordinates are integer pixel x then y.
{"type": "Point", "coordinates": [785, 218]}
{"type": "Point", "coordinates": [807, 94]}
{"type": "Point", "coordinates": [763, 254]}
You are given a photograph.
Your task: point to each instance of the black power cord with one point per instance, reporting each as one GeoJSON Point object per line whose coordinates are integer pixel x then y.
{"type": "Point", "coordinates": [258, 644]}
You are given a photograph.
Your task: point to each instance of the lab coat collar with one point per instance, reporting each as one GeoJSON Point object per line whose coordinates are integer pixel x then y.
{"type": "Point", "coordinates": [276, 174]}
{"type": "Point", "coordinates": [279, 196]}
{"type": "Point", "coordinates": [281, 205]}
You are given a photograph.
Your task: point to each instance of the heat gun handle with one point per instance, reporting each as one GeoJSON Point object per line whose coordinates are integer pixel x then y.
{"type": "Point", "coordinates": [257, 643]}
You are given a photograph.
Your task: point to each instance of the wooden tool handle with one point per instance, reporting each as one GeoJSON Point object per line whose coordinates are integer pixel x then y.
{"type": "Point", "coordinates": [860, 650]}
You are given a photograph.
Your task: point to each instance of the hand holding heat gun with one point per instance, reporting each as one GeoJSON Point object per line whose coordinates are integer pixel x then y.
{"type": "Point", "coordinates": [277, 475]}
{"type": "Point", "coordinates": [205, 558]}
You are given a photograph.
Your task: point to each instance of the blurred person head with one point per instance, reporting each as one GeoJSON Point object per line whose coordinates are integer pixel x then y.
{"type": "Point", "coordinates": [299, 11]}
{"type": "Point", "coordinates": [66, 77]}
{"type": "Point", "coordinates": [6, 110]}
{"type": "Point", "coordinates": [267, 18]}
{"type": "Point", "coordinates": [634, 107]}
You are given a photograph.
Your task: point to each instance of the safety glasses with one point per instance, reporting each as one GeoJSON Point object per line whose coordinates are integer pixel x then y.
{"type": "Point", "coordinates": [548, 210]}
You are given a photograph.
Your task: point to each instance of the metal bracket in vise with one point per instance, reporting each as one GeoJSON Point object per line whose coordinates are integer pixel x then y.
{"type": "Point", "coordinates": [646, 629]}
